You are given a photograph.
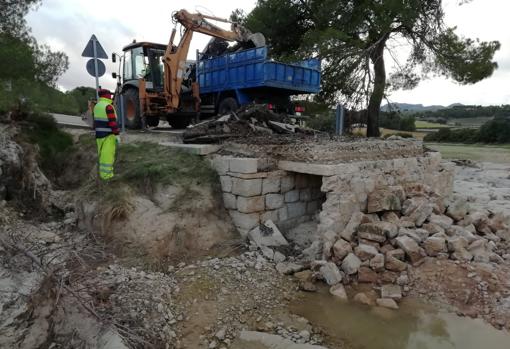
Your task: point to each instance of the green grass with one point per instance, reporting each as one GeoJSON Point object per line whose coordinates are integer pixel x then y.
{"type": "Point", "coordinates": [141, 167]}
{"type": "Point", "coordinates": [142, 163]}
{"type": "Point", "coordinates": [53, 143]}
{"type": "Point", "coordinates": [426, 124]}
{"type": "Point", "coordinates": [498, 154]}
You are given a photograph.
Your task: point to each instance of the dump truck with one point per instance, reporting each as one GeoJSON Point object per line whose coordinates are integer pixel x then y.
{"type": "Point", "coordinates": [157, 81]}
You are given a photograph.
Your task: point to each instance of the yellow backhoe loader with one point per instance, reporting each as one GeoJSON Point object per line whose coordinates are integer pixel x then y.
{"type": "Point", "coordinates": [158, 81]}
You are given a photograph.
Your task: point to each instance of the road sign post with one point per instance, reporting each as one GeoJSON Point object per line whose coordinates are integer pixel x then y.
{"type": "Point", "coordinates": [96, 68]}
{"type": "Point", "coordinates": [95, 51]}
{"type": "Point", "coordinates": [339, 125]}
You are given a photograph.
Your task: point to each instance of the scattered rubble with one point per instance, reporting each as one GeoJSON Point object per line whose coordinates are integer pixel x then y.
{"type": "Point", "coordinates": [251, 120]}
{"type": "Point", "coordinates": [63, 288]}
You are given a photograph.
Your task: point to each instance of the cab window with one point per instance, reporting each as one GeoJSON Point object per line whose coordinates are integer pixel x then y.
{"type": "Point", "coordinates": [139, 62]}
{"type": "Point", "coordinates": [128, 66]}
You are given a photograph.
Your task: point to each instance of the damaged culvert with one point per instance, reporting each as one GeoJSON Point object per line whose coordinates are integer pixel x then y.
{"type": "Point", "coordinates": [137, 265]}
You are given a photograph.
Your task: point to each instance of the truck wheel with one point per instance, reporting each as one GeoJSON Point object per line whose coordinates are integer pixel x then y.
{"type": "Point", "coordinates": [178, 121]}
{"type": "Point", "coordinates": [227, 106]}
{"type": "Point", "coordinates": [153, 121]}
{"type": "Point", "coordinates": [132, 109]}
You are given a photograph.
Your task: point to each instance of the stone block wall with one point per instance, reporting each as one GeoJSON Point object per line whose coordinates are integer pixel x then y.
{"type": "Point", "coordinates": [254, 192]}
{"type": "Point", "coordinates": [347, 192]}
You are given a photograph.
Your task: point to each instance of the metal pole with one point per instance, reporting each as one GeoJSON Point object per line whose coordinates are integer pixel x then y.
{"type": "Point", "coordinates": [342, 115]}
{"type": "Point", "coordinates": [96, 69]}
{"type": "Point", "coordinates": [337, 120]}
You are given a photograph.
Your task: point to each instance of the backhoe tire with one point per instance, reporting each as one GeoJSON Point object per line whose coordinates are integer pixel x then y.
{"type": "Point", "coordinates": [227, 106]}
{"type": "Point", "coordinates": [153, 121]}
{"type": "Point", "coordinates": [178, 122]}
{"type": "Point", "coordinates": [132, 109]}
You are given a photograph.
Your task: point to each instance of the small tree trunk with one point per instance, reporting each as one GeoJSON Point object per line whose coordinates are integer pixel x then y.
{"type": "Point", "coordinates": [374, 105]}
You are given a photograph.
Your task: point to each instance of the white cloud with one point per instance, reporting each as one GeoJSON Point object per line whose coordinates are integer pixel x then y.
{"type": "Point", "coordinates": [483, 19]}
{"type": "Point", "coordinates": [68, 24]}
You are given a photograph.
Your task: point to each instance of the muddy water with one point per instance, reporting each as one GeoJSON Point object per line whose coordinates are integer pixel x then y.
{"type": "Point", "coordinates": [413, 326]}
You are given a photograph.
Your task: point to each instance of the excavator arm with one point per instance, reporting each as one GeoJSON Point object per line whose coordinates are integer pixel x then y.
{"type": "Point", "coordinates": [175, 57]}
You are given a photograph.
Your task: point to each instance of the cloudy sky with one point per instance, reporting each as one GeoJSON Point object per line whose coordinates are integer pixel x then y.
{"type": "Point", "coordinates": [68, 24]}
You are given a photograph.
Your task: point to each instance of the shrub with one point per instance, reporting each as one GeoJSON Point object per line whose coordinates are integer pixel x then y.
{"type": "Point", "coordinates": [463, 135]}
{"type": "Point", "coordinates": [54, 144]}
{"type": "Point", "coordinates": [496, 131]}
{"type": "Point", "coordinates": [324, 122]}
{"type": "Point", "coordinates": [493, 131]}
{"type": "Point", "coordinates": [396, 121]}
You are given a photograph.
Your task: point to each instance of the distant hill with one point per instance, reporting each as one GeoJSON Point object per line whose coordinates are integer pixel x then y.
{"type": "Point", "coordinates": [406, 107]}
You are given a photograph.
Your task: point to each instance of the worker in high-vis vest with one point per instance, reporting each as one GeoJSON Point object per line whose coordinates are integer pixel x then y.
{"type": "Point", "coordinates": [107, 133]}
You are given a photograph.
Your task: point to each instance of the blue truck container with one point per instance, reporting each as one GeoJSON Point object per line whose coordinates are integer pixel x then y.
{"type": "Point", "coordinates": [249, 76]}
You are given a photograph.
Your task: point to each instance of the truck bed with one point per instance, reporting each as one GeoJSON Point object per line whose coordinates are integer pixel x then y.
{"type": "Point", "coordinates": [252, 69]}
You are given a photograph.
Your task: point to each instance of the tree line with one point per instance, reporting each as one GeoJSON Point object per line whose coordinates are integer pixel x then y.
{"type": "Point", "coordinates": [29, 70]}
{"type": "Point", "coordinates": [355, 39]}
{"type": "Point", "coordinates": [465, 111]}
{"type": "Point", "coordinates": [495, 131]}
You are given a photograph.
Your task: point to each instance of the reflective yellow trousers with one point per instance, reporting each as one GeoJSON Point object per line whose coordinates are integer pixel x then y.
{"type": "Point", "coordinates": [106, 156]}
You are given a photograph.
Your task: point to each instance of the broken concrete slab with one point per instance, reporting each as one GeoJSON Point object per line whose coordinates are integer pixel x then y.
{"type": "Point", "coordinates": [382, 200]}
{"type": "Point", "coordinates": [351, 264]}
{"type": "Point", "coordinates": [198, 149]}
{"type": "Point", "coordinates": [411, 248]}
{"type": "Point", "coordinates": [308, 168]}
{"type": "Point", "coordinates": [268, 235]}
{"type": "Point", "coordinates": [391, 291]}
{"type": "Point", "coordinates": [341, 249]}
{"type": "Point", "coordinates": [338, 291]}
{"type": "Point", "coordinates": [365, 252]}
{"type": "Point", "coordinates": [387, 303]}
{"type": "Point", "coordinates": [377, 231]}
{"type": "Point", "coordinates": [331, 273]}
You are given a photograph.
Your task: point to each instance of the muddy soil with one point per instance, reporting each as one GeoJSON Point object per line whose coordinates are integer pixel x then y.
{"type": "Point", "coordinates": [476, 290]}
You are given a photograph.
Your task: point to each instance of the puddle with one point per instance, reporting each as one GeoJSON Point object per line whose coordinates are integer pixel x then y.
{"type": "Point", "coordinates": [413, 326]}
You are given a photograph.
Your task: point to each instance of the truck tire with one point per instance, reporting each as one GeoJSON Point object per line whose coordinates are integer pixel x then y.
{"type": "Point", "coordinates": [227, 106]}
{"type": "Point", "coordinates": [153, 121]}
{"type": "Point", "coordinates": [132, 109]}
{"type": "Point", "coordinates": [178, 121]}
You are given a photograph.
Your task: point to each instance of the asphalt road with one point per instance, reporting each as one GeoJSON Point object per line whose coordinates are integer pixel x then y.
{"type": "Point", "coordinates": [70, 120]}
{"type": "Point", "coordinates": [77, 122]}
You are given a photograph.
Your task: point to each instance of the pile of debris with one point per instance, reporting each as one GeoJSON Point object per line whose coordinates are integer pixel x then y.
{"type": "Point", "coordinates": [402, 227]}
{"type": "Point", "coordinates": [251, 120]}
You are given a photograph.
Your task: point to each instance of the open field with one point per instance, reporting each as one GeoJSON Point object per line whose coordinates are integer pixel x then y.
{"type": "Point", "coordinates": [469, 122]}
{"type": "Point", "coordinates": [426, 124]}
{"type": "Point", "coordinates": [497, 154]}
{"type": "Point", "coordinates": [453, 123]}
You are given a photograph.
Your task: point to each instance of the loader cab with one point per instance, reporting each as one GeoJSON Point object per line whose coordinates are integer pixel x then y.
{"type": "Point", "coordinates": [144, 60]}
